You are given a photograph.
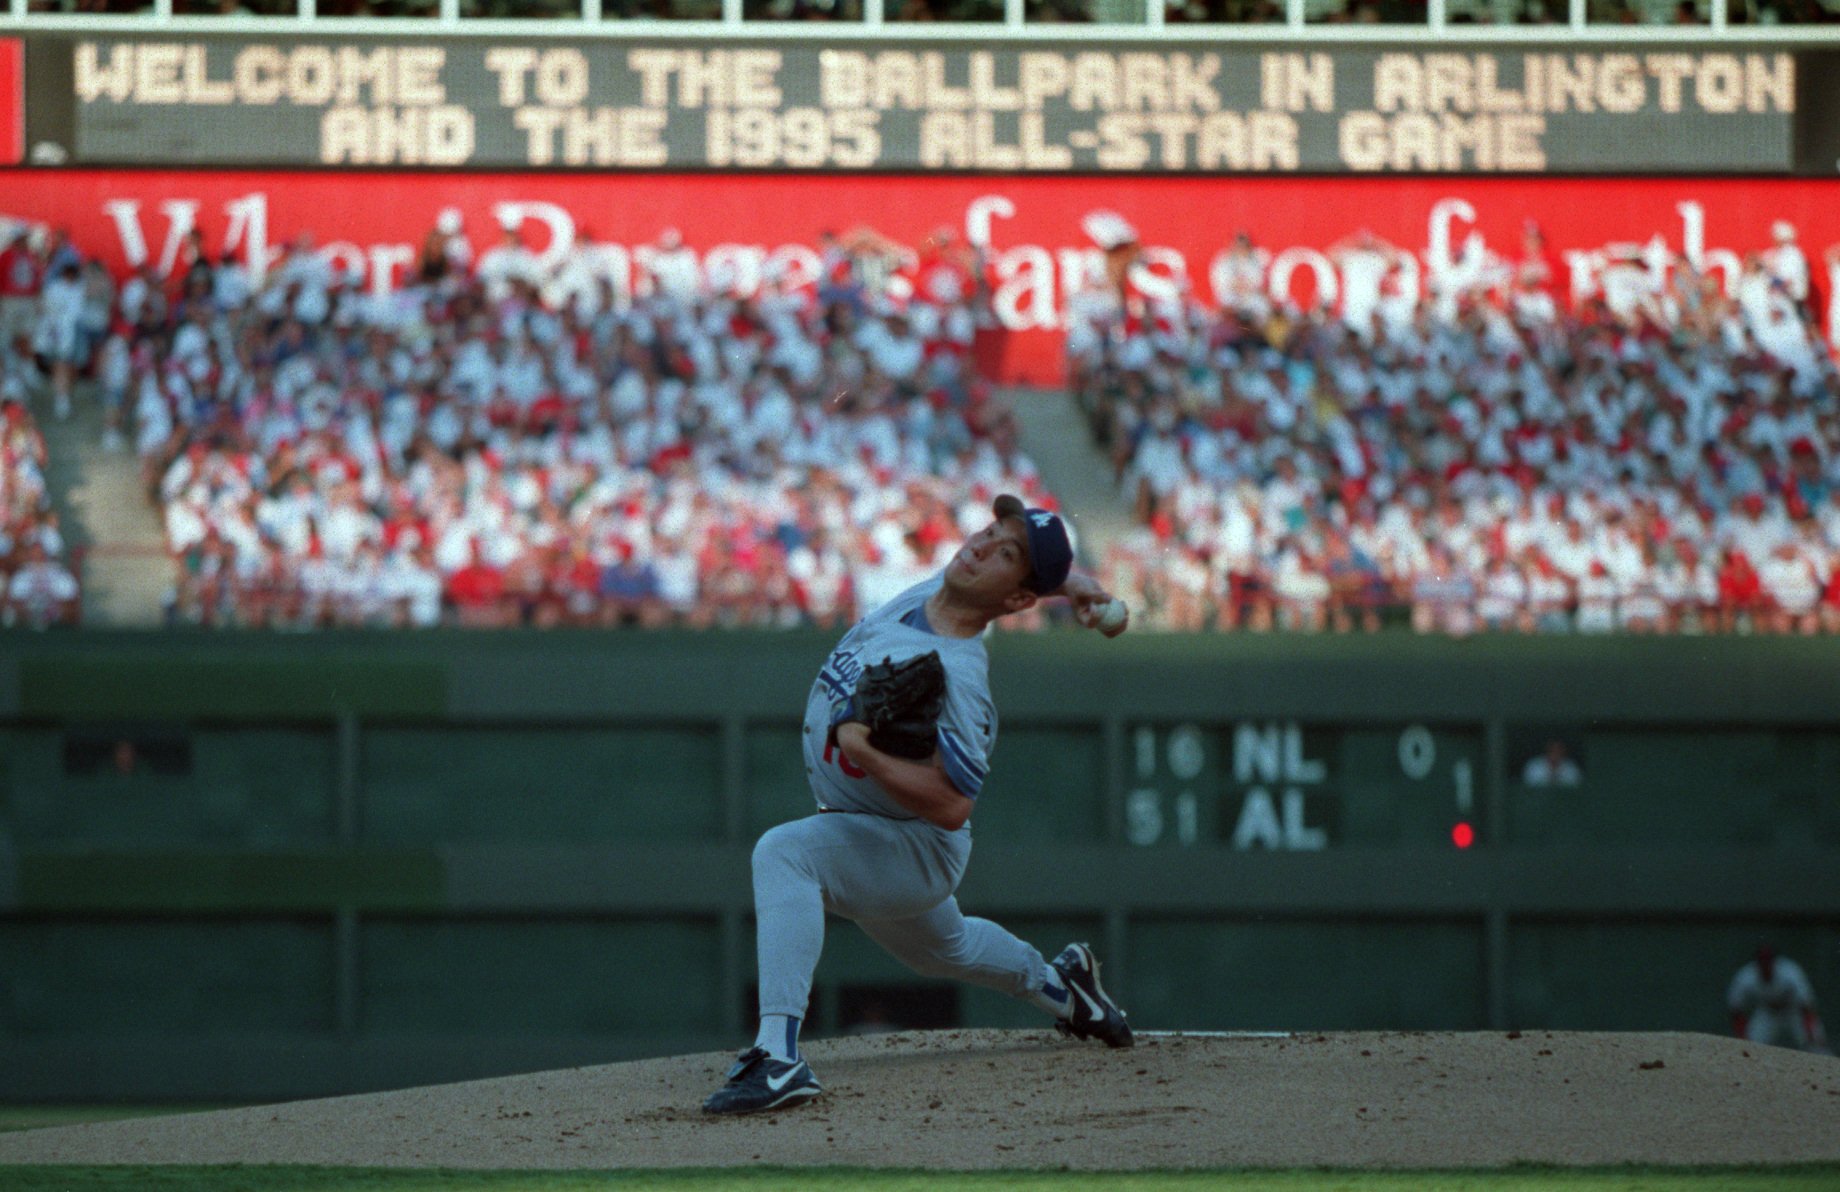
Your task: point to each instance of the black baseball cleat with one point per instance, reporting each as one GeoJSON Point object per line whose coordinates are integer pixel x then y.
{"type": "Point", "coordinates": [1091, 1014]}
{"type": "Point", "coordinates": [759, 1082]}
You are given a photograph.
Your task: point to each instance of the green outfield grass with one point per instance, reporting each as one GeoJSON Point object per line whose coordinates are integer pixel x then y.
{"type": "Point", "coordinates": [1824, 1178]}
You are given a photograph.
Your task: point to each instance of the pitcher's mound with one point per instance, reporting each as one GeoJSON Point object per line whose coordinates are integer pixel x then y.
{"type": "Point", "coordinates": [976, 1099]}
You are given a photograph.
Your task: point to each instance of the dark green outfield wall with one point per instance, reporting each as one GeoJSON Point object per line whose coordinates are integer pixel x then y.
{"type": "Point", "coordinates": [354, 862]}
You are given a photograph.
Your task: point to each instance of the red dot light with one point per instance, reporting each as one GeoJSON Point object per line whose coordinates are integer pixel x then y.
{"type": "Point", "coordinates": [1463, 836]}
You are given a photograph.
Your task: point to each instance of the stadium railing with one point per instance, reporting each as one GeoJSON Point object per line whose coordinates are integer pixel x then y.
{"type": "Point", "coordinates": [1649, 21]}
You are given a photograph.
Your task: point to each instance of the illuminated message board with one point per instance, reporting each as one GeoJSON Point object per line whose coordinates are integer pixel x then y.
{"type": "Point", "coordinates": [1088, 107]}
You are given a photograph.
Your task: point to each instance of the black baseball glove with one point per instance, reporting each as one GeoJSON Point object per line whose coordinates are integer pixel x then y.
{"type": "Point", "coordinates": [900, 703]}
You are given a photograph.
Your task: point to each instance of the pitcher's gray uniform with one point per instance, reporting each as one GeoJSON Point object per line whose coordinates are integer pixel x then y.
{"type": "Point", "coordinates": [893, 833]}
{"type": "Point", "coordinates": [873, 861]}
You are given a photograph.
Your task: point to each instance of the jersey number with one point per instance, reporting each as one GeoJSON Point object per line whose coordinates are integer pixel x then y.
{"type": "Point", "coordinates": [843, 761]}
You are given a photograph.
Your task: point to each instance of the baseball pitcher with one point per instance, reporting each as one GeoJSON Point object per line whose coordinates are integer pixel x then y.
{"type": "Point", "coordinates": [898, 734]}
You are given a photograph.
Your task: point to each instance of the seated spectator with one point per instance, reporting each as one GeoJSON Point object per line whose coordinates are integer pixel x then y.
{"type": "Point", "coordinates": [1597, 597]}
{"type": "Point", "coordinates": [1300, 588]}
{"type": "Point", "coordinates": [42, 592]}
{"type": "Point", "coordinates": [630, 592]}
{"type": "Point", "coordinates": [38, 589]}
{"type": "Point", "coordinates": [1791, 585]}
{"type": "Point", "coordinates": [1742, 602]}
{"type": "Point", "coordinates": [476, 593]}
{"type": "Point", "coordinates": [1443, 597]}
{"type": "Point", "coordinates": [1502, 603]}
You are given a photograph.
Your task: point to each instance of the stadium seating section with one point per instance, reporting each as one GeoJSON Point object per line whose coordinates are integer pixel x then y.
{"type": "Point", "coordinates": [498, 443]}
{"type": "Point", "coordinates": [1498, 453]}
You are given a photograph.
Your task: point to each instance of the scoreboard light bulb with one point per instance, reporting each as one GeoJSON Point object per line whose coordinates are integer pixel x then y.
{"type": "Point", "coordinates": [1463, 835]}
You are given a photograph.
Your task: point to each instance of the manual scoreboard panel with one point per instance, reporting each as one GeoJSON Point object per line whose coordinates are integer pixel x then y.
{"type": "Point", "coordinates": [1296, 786]}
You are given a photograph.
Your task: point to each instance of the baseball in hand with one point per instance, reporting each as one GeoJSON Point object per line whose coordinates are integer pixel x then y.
{"type": "Point", "coordinates": [1111, 616]}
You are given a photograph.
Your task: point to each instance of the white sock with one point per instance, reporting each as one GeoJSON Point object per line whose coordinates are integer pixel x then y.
{"type": "Point", "coordinates": [1052, 996]}
{"type": "Point", "coordinates": [779, 1036]}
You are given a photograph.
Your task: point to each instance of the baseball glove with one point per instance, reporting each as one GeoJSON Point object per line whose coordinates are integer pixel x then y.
{"type": "Point", "coordinates": [900, 703]}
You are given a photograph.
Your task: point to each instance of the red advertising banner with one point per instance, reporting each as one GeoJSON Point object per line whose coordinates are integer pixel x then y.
{"type": "Point", "coordinates": [12, 101]}
{"type": "Point", "coordinates": [1039, 253]}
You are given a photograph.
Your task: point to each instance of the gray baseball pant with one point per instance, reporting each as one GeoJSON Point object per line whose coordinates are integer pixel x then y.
{"type": "Point", "coordinates": [895, 879]}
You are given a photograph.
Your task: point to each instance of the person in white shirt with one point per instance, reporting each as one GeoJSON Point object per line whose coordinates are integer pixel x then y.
{"type": "Point", "coordinates": [1239, 278]}
{"type": "Point", "coordinates": [1503, 602]}
{"type": "Point", "coordinates": [304, 266]}
{"type": "Point", "coordinates": [1642, 607]}
{"type": "Point", "coordinates": [1793, 585]}
{"type": "Point", "coordinates": [1552, 766]}
{"type": "Point", "coordinates": [348, 526]}
{"type": "Point", "coordinates": [42, 592]}
{"type": "Point", "coordinates": [679, 578]}
{"type": "Point", "coordinates": [1772, 1002]}
{"type": "Point", "coordinates": [1597, 594]}
{"type": "Point", "coordinates": [506, 262]}
{"type": "Point", "coordinates": [823, 577]}
{"type": "Point", "coordinates": [672, 269]}
{"type": "Point", "coordinates": [115, 370]}
{"type": "Point", "coordinates": [1301, 588]}
{"type": "Point", "coordinates": [593, 278]}
{"type": "Point", "coordinates": [231, 286]}
{"type": "Point", "coordinates": [414, 584]}
{"type": "Point", "coordinates": [1364, 260]}
{"type": "Point", "coordinates": [892, 347]}
{"type": "Point", "coordinates": [59, 334]}
{"type": "Point", "coordinates": [1785, 260]}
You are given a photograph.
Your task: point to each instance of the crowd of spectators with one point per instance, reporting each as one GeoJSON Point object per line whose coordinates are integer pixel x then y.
{"type": "Point", "coordinates": [502, 440]}
{"type": "Point", "coordinates": [47, 307]}
{"type": "Point", "coordinates": [508, 439]}
{"type": "Point", "coordinates": [1486, 451]}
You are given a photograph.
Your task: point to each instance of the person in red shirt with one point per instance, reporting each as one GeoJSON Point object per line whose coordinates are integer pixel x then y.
{"type": "Point", "coordinates": [476, 593]}
{"type": "Point", "coordinates": [1830, 603]}
{"type": "Point", "coordinates": [946, 272]}
{"type": "Point", "coordinates": [574, 584]}
{"type": "Point", "coordinates": [1740, 590]}
{"type": "Point", "coordinates": [22, 276]}
{"type": "Point", "coordinates": [1541, 266]}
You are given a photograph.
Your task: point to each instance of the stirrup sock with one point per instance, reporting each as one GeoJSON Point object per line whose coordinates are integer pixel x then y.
{"type": "Point", "coordinates": [779, 1036]}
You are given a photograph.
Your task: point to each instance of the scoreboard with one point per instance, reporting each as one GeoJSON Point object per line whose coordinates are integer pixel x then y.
{"type": "Point", "coordinates": [1042, 107]}
{"type": "Point", "coordinates": [1300, 786]}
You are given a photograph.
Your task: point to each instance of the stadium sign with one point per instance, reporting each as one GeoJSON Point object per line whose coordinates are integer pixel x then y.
{"type": "Point", "coordinates": [1086, 107]}
{"type": "Point", "coordinates": [1606, 236]}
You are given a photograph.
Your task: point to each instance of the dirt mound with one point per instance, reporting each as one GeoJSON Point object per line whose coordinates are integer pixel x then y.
{"type": "Point", "coordinates": [982, 1099]}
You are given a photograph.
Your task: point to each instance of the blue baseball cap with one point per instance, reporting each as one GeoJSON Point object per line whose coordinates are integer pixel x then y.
{"type": "Point", "coordinates": [1050, 550]}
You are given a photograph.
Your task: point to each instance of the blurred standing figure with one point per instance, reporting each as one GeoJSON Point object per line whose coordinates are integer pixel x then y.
{"type": "Point", "coordinates": [446, 256]}
{"type": "Point", "coordinates": [58, 337]}
{"type": "Point", "coordinates": [1772, 1003]}
{"type": "Point", "coordinates": [1120, 243]}
{"type": "Point", "coordinates": [672, 269]}
{"type": "Point", "coordinates": [1785, 261]}
{"type": "Point", "coordinates": [507, 262]}
{"type": "Point", "coordinates": [22, 275]}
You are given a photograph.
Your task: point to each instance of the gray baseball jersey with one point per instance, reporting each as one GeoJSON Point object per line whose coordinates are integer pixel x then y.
{"type": "Point", "coordinates": [967, 730]}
